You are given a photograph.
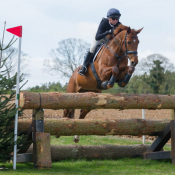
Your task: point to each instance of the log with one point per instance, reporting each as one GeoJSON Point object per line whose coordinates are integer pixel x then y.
{"type": "Point", "coordinates": [55, 100]}
{"type": "Point", "coordinates": [43, 157]}
{"type": "Point", "coordinates": [70, 127]}
{"type": "Point", "coordinates": [95, 152]}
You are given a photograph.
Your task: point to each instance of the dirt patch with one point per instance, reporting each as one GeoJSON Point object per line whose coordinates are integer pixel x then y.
{"type": "Point", "coordinates": [108, 114]}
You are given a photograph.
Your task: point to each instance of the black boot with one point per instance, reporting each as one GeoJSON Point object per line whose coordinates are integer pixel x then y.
{"type": "Point", "coordinates": [87, 59]}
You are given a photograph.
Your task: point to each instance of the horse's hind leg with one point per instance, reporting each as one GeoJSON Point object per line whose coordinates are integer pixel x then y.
{"type": "Point", "coordinates": [71, 88]}
{"type": "Point", "coordinates": [83, 113]}
{"type": "Point", "coordinates": [69, 113]}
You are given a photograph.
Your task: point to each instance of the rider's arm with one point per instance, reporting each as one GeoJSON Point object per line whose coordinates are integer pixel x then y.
{"type": "Point", "coordinates": [100, 35]}
{"type": "Point", "coordinates": [103, 29]}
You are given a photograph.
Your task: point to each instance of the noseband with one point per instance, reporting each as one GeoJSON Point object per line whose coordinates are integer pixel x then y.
{"type": "Point", "coordinates": [125, 53]}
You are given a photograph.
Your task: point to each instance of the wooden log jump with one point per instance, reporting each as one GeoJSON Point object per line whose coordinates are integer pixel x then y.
{"type": "Point", "coordinates": [55, 100]}
{"type": "Point", "coordinates": [64, 152]}
{"type": "Point", "coordinates": [164, 129]}
{"type": "Point", "coordinates": [70, 127]}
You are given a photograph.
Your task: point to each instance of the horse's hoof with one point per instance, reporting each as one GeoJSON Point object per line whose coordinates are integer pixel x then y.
{"type": "Point", "coordinates": [76, 138]}
{"type": "Point", "coordinates": [56, 136]}
{"type": "Point", "coordinates": [111, 84]}
{"type": "Point", "coordinates": [104, 85]}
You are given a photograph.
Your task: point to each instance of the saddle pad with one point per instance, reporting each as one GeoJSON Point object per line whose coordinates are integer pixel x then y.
{"type": "Point", "coordinates": [97, 52]}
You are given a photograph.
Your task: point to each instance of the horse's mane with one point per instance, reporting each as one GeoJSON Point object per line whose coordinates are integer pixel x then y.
{"type": "Point", "coordinates": [120, 28]}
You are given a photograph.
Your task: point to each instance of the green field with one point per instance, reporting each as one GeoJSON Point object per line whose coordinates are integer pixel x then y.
{"type": "Point", "coordinates": [120, 166]}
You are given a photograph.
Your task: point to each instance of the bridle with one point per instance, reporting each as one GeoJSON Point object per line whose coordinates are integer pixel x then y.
{"type": "Point", "coordinates": [125, 53]}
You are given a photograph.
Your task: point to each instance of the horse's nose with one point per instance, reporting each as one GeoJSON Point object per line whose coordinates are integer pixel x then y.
{"type": "Point", "coordinates": [133, 63]}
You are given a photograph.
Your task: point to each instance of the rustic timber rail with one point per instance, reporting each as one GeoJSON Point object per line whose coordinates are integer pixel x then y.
{"type": "Point", "coordinates": [71, 127]}
{"type": "Point", "coordinates": [165, 130]}
{"type": "Point", "coordinates": [55, 100]}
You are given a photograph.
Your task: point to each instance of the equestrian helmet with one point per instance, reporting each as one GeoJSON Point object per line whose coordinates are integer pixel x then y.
{"type": "Point", "coordinates": [113, 13]}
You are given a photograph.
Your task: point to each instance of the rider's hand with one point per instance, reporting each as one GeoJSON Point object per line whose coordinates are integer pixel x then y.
{"type": "Point", "coordinates": [110, 31]}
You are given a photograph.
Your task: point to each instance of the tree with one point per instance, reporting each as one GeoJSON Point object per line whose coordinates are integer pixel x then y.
{"type": "Point", "coordinates": [156, 76]}
{"type": "Point", "coordinates": [66, 57]}
{"type": "Point", "coordinates": [146, 64]}
{"type": "Point", "coordinates": [11, 64]}
{"type": "Point", "coordinates": [7, 108]}
{"type": "Point", "coordinates": [153, 68]}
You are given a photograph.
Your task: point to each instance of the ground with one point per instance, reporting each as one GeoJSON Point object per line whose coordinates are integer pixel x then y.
{"type": "Point", "coordinates": [108, 114]}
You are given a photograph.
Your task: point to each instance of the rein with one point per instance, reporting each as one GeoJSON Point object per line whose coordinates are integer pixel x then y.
{"type": "Point", "coordinates": [126, 52]}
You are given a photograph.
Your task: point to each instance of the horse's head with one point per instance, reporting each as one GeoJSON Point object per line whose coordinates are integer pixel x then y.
{"type": "Point", "coordinates": [130, 45]}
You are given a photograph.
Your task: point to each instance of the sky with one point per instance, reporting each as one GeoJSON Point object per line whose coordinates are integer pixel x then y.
{"type": "Point", "coordinates": [46, 22]}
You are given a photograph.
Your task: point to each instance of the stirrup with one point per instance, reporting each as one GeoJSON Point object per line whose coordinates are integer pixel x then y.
{"type": "Point", "coordinates": [82, 71]}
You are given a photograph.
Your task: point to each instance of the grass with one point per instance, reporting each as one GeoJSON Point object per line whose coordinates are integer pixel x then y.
{"type": "Point", "coordinates": [100, 140]}
{"type": "Point", "coordinates": [110, 167]}
{"type": "Point", "coordinates": [95, 167]}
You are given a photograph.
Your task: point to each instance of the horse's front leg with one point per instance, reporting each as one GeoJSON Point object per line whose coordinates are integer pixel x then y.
{"type": "Point", "coordinates": [110, 83]}
{"type": "Point", "coordinates": [127, 75]}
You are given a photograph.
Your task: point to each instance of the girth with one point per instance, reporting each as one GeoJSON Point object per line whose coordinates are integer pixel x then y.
{"type": "Point", "coordinates": [99, 82]}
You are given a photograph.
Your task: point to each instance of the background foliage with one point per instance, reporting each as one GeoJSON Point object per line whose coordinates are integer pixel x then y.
{"type": "Point", "coordinates": [154, 74]}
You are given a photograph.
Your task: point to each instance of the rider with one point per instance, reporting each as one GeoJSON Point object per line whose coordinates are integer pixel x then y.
{"type": "Point", "coordinates": [106, 27]}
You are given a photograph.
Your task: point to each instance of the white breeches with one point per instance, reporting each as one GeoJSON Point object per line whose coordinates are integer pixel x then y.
{"type": "Point", "coordinates": [95, 43]}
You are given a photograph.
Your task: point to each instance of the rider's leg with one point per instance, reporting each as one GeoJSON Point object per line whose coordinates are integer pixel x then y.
{"type": "Point", "coordinates": [89, 56]}
{"type": "Point", "coordinates": [87, 59]}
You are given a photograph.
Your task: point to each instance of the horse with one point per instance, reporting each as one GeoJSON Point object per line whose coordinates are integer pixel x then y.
{"type": "Point", "coordinates": [109, 66]}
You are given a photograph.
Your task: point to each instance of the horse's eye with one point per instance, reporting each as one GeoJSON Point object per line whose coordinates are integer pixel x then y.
{"type": "Point", "coordinates": [129, 42]}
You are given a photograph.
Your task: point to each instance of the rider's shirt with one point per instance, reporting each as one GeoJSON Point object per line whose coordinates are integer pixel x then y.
{"type": "Point", "coordinates": [103, 28]}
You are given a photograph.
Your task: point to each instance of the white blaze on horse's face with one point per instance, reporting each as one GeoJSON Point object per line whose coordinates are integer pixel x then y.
{"type": "Point", "coordinates": [134, 40]}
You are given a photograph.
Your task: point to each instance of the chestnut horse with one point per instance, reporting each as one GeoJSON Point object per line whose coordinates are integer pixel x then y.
{"type": "Point", "coordinates": [111, 65]}
{"type": "Point", "coordinates": [112, 60]}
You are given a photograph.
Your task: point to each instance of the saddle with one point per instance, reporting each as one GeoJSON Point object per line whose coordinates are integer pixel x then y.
{"type": "Point", "coordinates": [97, 50]}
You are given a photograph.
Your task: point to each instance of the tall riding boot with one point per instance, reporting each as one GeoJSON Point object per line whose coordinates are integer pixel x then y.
{"type": "Point", "coordinates": [87, 59]}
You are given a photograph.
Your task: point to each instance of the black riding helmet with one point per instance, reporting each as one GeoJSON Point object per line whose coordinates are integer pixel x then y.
{"type": "Point", "coordinates": [113, 13]}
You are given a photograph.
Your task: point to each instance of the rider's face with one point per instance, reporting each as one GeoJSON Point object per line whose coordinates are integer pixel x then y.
{"type": "Point", "coordinates": [113, 21]}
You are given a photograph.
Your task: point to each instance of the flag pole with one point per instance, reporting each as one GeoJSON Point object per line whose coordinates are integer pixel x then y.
{"type": "Point", "coordinates": [18, 32]}
{"type": "Point", "coordinates": [17, 99]}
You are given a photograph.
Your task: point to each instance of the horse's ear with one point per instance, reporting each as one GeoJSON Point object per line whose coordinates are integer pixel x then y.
{"type": "Point", "coordinates": [138, 31]}
{"type": "Point", "coordinates": [128, 30]}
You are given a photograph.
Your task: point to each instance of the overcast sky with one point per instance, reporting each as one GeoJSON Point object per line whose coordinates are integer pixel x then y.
{"type": "Point", "coordinates": [46, 22]}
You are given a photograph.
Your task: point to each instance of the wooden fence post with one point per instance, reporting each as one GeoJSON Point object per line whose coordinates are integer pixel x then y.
{"type": "Point", "coordinates": [41, 141]}
{"type": "Point", "coordinates": [172, 126]}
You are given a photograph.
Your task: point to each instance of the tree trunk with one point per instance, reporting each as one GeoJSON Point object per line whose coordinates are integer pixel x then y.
{"type": "Point", "coordinates": [55, 100]}
{"type": "Point", "coordinates": [59, 152]}
{"type": "Point", "coordinates": [69, 127]}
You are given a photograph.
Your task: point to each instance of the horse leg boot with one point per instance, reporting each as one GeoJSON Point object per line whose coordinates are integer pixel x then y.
{"type": "Point", "coordinates": [87, 59]}
{"type": "Point", "coordinates": [110, 83]}
{"type": "Point", "coordinates": [124, 82]}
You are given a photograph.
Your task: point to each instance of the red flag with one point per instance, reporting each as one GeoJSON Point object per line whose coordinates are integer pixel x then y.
{"type": "Point", "coordinates": [16, 30]}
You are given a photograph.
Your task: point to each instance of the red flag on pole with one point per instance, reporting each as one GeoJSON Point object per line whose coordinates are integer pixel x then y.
{"type": "Point", "coordinates": [16, 30]}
